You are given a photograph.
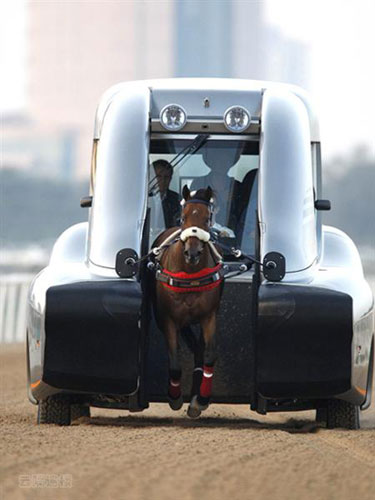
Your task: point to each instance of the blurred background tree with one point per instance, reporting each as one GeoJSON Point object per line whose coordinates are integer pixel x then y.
{"type": "Point", "coordinates": [350, 185]}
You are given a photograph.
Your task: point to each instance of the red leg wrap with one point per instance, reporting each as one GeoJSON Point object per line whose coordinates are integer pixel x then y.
{"type": "Point", "coordinates": [206, 384]}
{"type": "Point", "coordinates": [174, 389]}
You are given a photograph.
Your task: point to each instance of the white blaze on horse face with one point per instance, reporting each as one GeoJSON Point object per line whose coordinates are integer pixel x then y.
{"type": "Point", "coordinates": [195, 230]}
{"type": "Point", "coordinates": [193, 250]}
{"type": "Point", "coordinates": [199, 216]}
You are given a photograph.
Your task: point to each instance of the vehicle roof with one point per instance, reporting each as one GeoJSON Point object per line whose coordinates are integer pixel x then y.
{"type": "Point", "coordinates": [183, 87]}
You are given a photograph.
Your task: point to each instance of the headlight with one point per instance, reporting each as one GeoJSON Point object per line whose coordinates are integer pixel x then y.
{"type": "Point", "coordinates": [237, 119]}
{"type": "Point", "coordinates": [173, 117]}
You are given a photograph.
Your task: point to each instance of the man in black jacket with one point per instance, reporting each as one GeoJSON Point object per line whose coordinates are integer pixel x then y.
{"type": "Point", "coordinates": [170, 199]}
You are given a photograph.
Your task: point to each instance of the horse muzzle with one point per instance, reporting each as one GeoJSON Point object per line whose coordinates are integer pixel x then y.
{"type": "Point", "coordinates": [193, 255]}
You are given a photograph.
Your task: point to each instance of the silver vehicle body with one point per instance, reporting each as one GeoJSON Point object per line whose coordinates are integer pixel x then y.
{"type": "Point", "coordinates": [284, 121]}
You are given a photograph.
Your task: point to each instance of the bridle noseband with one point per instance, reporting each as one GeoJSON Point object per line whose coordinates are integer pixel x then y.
{"type": "Point", "coordinates": [197, 232]}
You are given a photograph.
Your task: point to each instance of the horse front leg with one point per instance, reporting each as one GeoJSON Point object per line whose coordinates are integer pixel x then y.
{"type": "Point", "coordinates": [198, 365]}
{"type": "Point", "coordinates": [174, 385]}
{"type": "Point", "coordinates": [201, 401]}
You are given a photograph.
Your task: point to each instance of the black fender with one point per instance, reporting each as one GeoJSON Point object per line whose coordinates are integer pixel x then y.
{"type": "Point", "coordinates": [304, 342]}
{"type": "Point", "coordinates": [93, 337]}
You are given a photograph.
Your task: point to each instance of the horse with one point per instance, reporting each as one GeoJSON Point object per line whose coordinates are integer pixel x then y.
{"type": "Point", "coordinates": [189, 282]}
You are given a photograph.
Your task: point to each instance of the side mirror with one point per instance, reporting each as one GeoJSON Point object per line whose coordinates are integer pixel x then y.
{"type": "Point", "coordinates": [322, 205]}
{"type": "Point", "coordinates": [86, 201]}
{"type": "Point", "coordinates": [127, 263]}
{"type": "Point", "coordinates": [274, 266]}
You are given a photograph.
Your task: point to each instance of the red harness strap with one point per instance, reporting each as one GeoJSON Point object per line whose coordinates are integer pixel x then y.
{"type": "Point", "coordinates": [192, 277]}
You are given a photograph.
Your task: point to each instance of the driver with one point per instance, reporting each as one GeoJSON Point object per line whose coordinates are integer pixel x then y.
{"type": "Point", "coordinates": [222, 186]}
{"type": "Point", "coordinates": [170, 199]}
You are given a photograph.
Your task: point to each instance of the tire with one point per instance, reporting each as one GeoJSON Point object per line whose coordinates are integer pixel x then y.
{"type": "Point", "coordinates": [78, 411]}
{"type": "Point", "coordinates": [321, 415]}
{"type": "Point", "coordinates": [342, 414]}
{"type": "Point", "coordinates": [54, 410]}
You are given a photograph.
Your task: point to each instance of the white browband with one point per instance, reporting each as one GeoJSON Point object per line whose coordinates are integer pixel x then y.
{"type": "Point", "coordinates": [199, 233]}
{"type": "Point", "coordinates": [192, 194]}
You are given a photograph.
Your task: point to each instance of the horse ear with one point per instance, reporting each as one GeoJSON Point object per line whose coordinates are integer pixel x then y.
{"type": "Point", "coordinates": [208, 193]}
{"type": "Point", "coordinates": [186, 192]}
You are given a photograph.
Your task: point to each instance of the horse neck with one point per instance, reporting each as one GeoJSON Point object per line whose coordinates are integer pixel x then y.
{"type": "Point", "coordinates": [174, 259]}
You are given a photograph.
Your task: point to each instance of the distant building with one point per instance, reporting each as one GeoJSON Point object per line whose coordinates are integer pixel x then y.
{"type": "Point", "coordinates": [248, 52]}
{"type": "Point", "coordinates": [203, 38]}
{"type": "Point", "coordinates": [79, 49]}
{"type": "Point", "coordinates": [261, 51]}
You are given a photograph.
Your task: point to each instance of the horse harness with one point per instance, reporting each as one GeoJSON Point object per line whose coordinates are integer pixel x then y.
{"type": "Point", "coordinates": [205, 279]}
{"type": "Point", "coordinates": [181, 282]}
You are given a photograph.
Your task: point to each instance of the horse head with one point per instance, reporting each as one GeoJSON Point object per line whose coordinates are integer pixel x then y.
{"type": "Point", "coordinates": [195, 222]}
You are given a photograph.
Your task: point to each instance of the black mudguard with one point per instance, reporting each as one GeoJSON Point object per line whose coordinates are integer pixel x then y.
{"type": "Point", "coordinates": [93, 337]}
{"type": "Point", "coordinates": [304, 342]}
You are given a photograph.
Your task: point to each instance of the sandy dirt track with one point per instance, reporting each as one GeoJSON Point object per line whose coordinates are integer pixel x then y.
{"type": "Point", "coordinates": [230, 453]}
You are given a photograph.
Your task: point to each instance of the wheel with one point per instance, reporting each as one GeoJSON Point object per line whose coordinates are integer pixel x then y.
{"type": "Point", "coordinates": [321, 415]}
{"type": "Point", "coordinates": [78, 411]}
{"type": "Point", "coordinates": [54, 410]}
{"type": "Point", "coordinates": [342, 414]}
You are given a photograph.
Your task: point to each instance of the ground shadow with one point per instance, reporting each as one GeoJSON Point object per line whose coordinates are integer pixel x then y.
{"type": "Point", "coordinates": [292, 426]}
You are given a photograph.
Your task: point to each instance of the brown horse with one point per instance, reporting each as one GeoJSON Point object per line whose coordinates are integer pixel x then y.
{"type": "Point", "coordinates": [188, 290]}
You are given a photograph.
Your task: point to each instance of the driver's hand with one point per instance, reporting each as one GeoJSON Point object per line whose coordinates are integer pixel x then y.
{"type": "Point", "coordinates": [223, 231]}
{"type": "Point", "coordinates": [227, 233]}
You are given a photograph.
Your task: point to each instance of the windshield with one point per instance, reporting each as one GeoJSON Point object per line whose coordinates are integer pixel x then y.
{"type": "Point", "coordinates": [229, 166]}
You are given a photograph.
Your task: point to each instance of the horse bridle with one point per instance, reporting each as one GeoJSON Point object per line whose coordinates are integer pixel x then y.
{"type": "Point", "coordinates": [191, 231]}
{"type": "Point", "coordinates": [203, 280]}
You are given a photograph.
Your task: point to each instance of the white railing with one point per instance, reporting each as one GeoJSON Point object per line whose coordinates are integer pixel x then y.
{"type": "Point", "coordinates": [13, 306]}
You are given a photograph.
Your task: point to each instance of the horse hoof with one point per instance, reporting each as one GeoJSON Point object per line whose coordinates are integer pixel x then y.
{"type": "Point", "coordinates": [195, 409]}
{"type": "Point", "coordinates": [193, 412]}
{"type": "Point", "coordinates": [175, 404]}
